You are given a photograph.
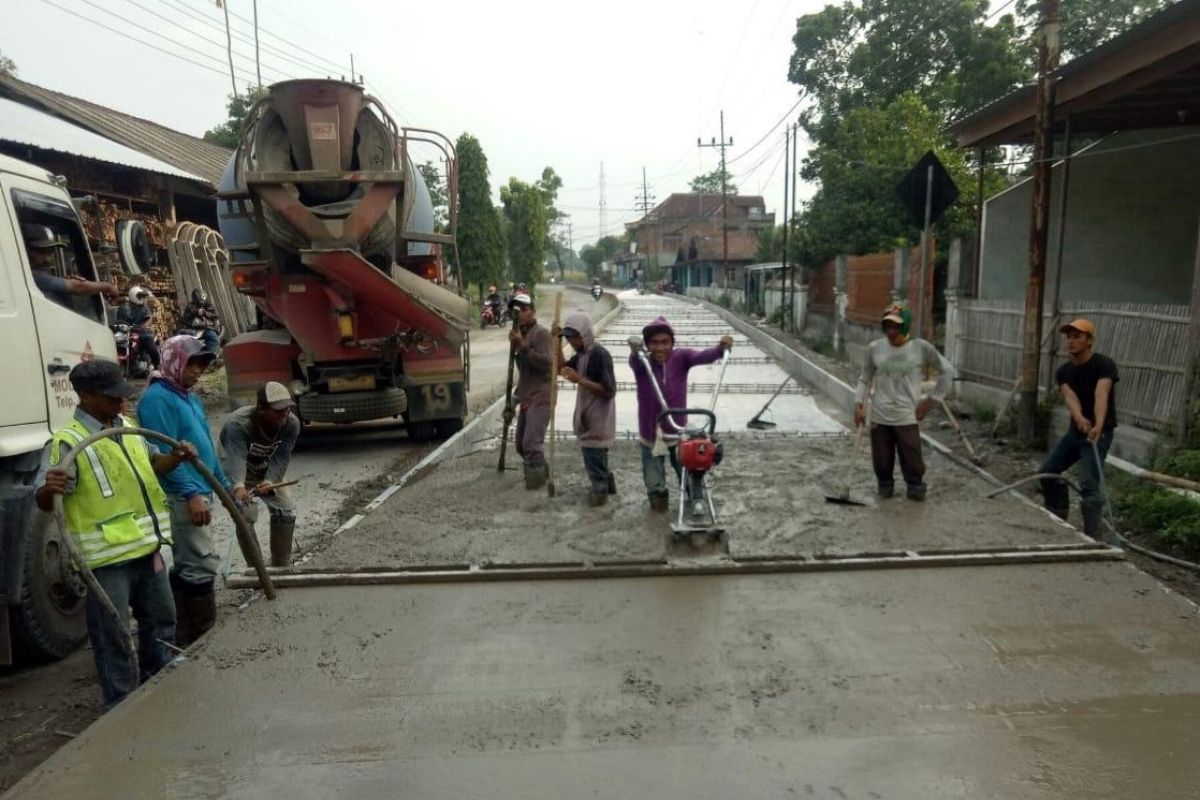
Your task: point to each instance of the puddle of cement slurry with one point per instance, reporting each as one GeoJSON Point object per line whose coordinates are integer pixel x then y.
{"type": "Point", "coordinates": [1042, 682]}
{"type": "Point", "coordinates": [770, 496]}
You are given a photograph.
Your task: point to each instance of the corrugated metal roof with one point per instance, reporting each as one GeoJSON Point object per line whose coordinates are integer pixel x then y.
{"type": "Point", "coordinates": [190, 154]}
{"type": "Point", "coordinates": [26, 125]}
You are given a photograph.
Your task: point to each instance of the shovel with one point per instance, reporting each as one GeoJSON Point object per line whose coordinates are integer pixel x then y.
{"type": "Point", "coordinates": [976, 459]}
{"type": "Point", "coordinates": [556, 355]}
{"type": "Point", "coordinates": [843, 499]}
{"type": "Point", "coordinates": [757, 422]}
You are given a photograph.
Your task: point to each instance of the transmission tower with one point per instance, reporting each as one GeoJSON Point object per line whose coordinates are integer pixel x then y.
{"type": "Point", "coordinates": [724, 198]}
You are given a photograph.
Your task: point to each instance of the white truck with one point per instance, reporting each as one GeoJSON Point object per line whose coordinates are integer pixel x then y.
{"type": "Point", "coordinates": [42, 337]}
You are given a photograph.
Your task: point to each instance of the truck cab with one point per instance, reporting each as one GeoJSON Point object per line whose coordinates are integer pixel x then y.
{"type": "Point", "coordinates": [45, 332]}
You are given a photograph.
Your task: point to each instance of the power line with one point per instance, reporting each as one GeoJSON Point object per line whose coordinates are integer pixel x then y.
{"type": "Point", "coordinates": [183, 8]}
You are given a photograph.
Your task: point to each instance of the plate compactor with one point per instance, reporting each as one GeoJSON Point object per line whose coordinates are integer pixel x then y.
{"type": "Point", "coordinates": [698, 452]}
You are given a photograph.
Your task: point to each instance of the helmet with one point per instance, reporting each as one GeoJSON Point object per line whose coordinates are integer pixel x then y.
{"type": "Point", "coordinates": [199, 296]}
{"type": "Point", "coordinates": [521, 287]}
{"type": "Point", "coordinates": [900, 314]}
{"type": "Point", "coordinates": [137, 295]}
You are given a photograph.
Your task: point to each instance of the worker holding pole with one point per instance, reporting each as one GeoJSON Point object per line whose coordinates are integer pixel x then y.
{"type": "Point", "coordinates": [1088, 386]}
{"type": "Point", "coordinates": [258, 441]}
{"type": "Point", "coordinates": [117, 514]}
{"type": "Point", "coordinates": [533, 356]}
{"type": "Point", "coordinates": [891, 379]}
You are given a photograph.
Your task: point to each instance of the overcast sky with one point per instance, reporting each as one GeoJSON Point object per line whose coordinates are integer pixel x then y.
{"type": "Point", "coordinates": [539, 83]}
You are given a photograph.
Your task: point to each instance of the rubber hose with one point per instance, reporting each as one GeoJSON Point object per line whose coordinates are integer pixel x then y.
{"type": "Point", "coordinates": [1110, 520]}
{"type": "Point", "coordinates": [247, 541]}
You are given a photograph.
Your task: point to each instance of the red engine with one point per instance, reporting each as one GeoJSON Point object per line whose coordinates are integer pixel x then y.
{"type": "Point", "coordinates": [699, 454]}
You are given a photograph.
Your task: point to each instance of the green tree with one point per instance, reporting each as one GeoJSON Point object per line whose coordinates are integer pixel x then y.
{"type": "Point", "coordinates": [525, 210]}
{"type": "Point", "coordinates": [229, 133]}
{"type": "Point", "coordinates": [1087, 24]}
{"type": "Point", "coordinates": [437, 194]}
{"type": "Point", "coordinates": [7, 66]}
{"type": "Point", "coordinates": [770, 244]}
{"type": "Point", "coordinates": [710, 183]}
{"type": "Point", "coordinates": [556, 245]}
{"type": "Point", "coordinates": [480, 230]}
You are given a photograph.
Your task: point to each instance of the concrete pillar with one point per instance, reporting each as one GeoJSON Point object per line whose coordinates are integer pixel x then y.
{"type": "Point", "coordinates": [900, 274]}
{"type": "Point", "coordinates": [953, 294]}
{"type": "Point", "coordinates": [800, 297]}
{"type": "Point", "coordinates": [841, 302]}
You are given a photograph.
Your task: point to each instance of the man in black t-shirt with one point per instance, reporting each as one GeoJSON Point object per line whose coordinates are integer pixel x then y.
{"type": "Point", "coordinates": [1088, 386]}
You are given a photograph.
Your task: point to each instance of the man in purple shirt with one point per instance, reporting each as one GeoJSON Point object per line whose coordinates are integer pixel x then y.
{"type": "Point", "coordinates": [669, 369]}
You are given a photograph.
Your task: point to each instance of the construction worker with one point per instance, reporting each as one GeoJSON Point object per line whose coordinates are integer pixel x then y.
{"type": "Point", "coordinates": [1088, 386]}
{"type": "Point", "coordinates": [169, 405]}
{"type": "Point", "coordinates": [670, 366]}
{"type": "Point", "coordinates": [891, 377]}
{"type": "Point", "coordinates": [595, 420]}
{"type": "Point", "coordinates": [135, 312]}
{"type": "Point", "coordinates": [258, 441]}
{"type": "Point", "coordinates": [117, 514]}
{"type": "Point", "coordinates": [42, 245]}
{"type": "Point", "coordinates": [533, 345]}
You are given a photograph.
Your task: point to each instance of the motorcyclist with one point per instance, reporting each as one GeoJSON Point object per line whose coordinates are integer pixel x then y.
{"type": "Point", "coordinates": [201, 316]}
{"type": "Point", "coordinates": [495, 302]}
{"type": "Point", "coordinates": [135, 312]}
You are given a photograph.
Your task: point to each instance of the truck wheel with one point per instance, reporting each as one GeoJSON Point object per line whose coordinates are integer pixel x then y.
{"type": "Point", "coordinates": [49, 622]}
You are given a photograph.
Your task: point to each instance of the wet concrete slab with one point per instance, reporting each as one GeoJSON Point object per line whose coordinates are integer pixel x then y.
{"type": "Point", "coordinates": [770, 496]}
{"type": "Point", "coordinates": [1032, 682]}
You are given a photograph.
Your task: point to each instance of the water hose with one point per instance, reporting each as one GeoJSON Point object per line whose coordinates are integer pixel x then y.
{"type": "Point", "coordinates": [1109, 520]}
{"type": "Point", "coordinates": [245, 534]}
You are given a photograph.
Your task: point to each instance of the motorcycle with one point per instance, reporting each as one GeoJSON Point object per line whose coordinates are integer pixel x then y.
{"type": "Point", "coordinates": [597, 291]}
{"type": "Point", "coordinates": [493, 314]}
{"type": "Point", "coordinates": [134, 362]}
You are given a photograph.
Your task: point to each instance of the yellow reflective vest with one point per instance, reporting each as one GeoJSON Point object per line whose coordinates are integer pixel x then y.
{"type": "Point", "coordinates": [117, 511]}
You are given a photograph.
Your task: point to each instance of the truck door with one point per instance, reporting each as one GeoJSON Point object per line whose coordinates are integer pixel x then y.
{"type": "Point", "coordinates": [25, 401]}
{"type": "Point", "coordinates": [69, 328]}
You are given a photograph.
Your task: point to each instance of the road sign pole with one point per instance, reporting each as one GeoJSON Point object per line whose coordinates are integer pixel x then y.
{"type": "Point", "coordinates": [925, 249]}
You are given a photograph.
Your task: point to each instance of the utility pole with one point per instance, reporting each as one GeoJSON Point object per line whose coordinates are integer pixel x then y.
{"type": "Point", "coordinates": [257, 64]}
{"type": "Point", "coordinates": [791, 318]}
{"type": "Point", "coordinates": [352, 78]}
{"type": "Point", "coordinates": [603, 205]}
{"type": "Point", "coordinates": [1043, 142]}
{"type": "Point", "coordinates": [787, 131]}
{"type": "Point", "coordinates": [229, 45]}
{"type": "Point", "coordinates": [644, 202]}
{"type": "Point", "coordinates": [724, 199]}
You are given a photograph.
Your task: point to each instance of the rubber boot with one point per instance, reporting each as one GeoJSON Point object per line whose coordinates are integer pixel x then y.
{"type": "Point", "coordinates": [595, 499]}
{"type": "Point", "coordinates": [659, 502]}
{"type": "Point", "coordinates": [183, 623]}
{"type": "Point", "coordinates": [204, 610]}
{"type": "Point", "coordinates": [1057, 500]}
{"type": "Point", "coordinates": [916, 491]}
{"type": "Point", "coordinates": [1093, 513]}
{"type": "Point", "coordinates": [282, 529]}
{"type": "Point", "coordinates": [536, 476]}
{"type": "Point", "coordinates": [886, 490]}
{"type": "Point", "coordinates": [612, 483]}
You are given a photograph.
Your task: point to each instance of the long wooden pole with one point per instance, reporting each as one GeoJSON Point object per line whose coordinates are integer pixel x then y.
{"type": "Point", "coordinates": [1048, 47]}
{"type": "Point", "coordinates": [555, 355]}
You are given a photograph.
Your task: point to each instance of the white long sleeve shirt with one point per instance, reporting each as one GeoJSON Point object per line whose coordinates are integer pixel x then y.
{"type": "Point", "coordinates": [891, 377]}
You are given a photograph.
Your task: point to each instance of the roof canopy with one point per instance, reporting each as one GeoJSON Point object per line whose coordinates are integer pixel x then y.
{"type": "Point", "coordinates": [29, 126]}
{"type": "Point", "coordinates": [1148, 77]}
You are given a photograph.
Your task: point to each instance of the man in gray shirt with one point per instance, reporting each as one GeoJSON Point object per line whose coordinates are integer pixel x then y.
{"type": "Point", "coordinates": [891, 376]}
{"type": "Point", "coordinates": [258, 441]}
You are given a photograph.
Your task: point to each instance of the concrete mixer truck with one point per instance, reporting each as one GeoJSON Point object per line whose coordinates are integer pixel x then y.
{"type": "Point", "coordinates": [331, 231]}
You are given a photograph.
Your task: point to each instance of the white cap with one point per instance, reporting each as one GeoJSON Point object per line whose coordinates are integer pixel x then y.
{"type": "Point", "coordinates": [522, 298]}
{"type": "Point", "coordinates": [277, 396]}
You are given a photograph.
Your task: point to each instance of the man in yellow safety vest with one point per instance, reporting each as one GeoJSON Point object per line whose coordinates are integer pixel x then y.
{"type": "Point", "coordinates": [117, 513]}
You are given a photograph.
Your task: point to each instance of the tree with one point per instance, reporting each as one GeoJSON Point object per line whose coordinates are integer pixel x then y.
{"type": "Point", "coordinates": [548, 185]}
{"type": "Point", "coordinates": [437, 194]}
{"type": "Point", "coordinates": [525, 210]}
{"type": "Point", "coordinates": [480, 230]}
{"type": "Point", "coordinates": [8, 67]}
{"type": "Point", "coordinates": [770, 244]}
{"type": "Point", "coordinates": [710, 183]}
{"type": "Point", "coordinates": [229, 133]}
{"type": "Point", "coordinates": [1087, 24]}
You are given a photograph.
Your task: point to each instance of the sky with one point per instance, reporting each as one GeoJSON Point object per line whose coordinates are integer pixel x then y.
{"type": "Point", "coordinates": [538, 82]}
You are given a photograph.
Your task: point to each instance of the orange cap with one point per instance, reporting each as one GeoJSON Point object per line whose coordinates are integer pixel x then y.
{"type": "Point", "coordinates": [1081, 325]}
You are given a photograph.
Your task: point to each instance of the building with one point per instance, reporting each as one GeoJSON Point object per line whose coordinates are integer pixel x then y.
{"type": "Point", "coordinates": [681, 239]}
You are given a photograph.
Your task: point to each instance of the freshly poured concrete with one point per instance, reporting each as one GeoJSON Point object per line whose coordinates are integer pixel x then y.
{"type": "Point", "coordinates": [1066, 681]}
{"type": "Point", "coordinates": [1071, 681]}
